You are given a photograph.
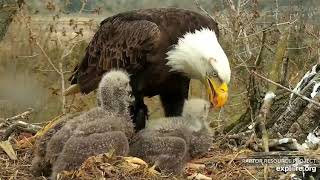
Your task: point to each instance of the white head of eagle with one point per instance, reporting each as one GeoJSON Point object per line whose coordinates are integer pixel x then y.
{"type": "Point", "coordinates": [200, 56]}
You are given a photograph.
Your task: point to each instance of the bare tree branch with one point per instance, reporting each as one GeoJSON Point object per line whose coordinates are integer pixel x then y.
{"type": "Point", "coordinates": [283, 87]}
{"type": "Point", "coordinates": [209, 15]}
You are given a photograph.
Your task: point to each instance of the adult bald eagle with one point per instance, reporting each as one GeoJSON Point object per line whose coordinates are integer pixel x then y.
{"type": "Point", "coordinates": [162, 48]}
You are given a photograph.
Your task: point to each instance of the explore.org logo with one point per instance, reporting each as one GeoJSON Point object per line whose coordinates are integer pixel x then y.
{"type": "Point", "coordinates": [296, 169]}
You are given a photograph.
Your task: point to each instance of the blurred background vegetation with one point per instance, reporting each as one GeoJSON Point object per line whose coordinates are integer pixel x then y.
{"type": "Point", "coordinates": [50, 35]}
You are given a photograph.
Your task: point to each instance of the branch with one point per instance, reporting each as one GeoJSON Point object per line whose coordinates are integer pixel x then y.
{"type": "Point", "coordinates": [62, 89]}
{"type": "Point", "coordinates": [38, 44]}
{"type": "Point", "coordinates": [84, 2]}
{"type": "Point", "coordinates": [201, 8]}
{"type": "Point", "coordinates": [25, 115]}
{"type": "Point", "coordinates": [232, 6]}
{"type": "Point", "coordinates": [247, 45]}
{"type": "Point", "coordinates": [31, 56]}
{"type": "Point", "coordinates": [262, 116]}
{"type": "Point", "coordinates": [270, 28]}
{"type": "Point", "coordinates": [14, 123]}
{"type": "Point", "coordinates": [20, 126]}
{"type": "Point", "coordinates": [209, 15]}
{"type": "Point", "coordinates": [285, 88]}
{"type": "Point", "coordinates": [259, 56]}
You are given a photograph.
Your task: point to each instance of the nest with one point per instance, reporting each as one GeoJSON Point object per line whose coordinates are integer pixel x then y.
{"type": "Point", "coordinates": [216, 164]}
{"type": "Point", "coordinates": [220, 162]}
{"type": "Point", "coordinates": [17, 169]}
{"type": "Point", "coordinates": [111, 167]}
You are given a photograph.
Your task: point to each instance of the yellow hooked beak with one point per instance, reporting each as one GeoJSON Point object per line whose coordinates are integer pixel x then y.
{"type": "Point", "coordinates": [218, 93]}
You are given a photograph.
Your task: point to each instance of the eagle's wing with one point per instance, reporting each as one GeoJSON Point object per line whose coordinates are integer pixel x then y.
{"type": "Point", "coordinates": [117, 44]}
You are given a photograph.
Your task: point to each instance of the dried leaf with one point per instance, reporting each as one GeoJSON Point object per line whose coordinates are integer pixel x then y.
{"type": "Point", "coordinates": [195, 166]}
{"type": "Point", "coordinates": [135, 160]}
{"type": "Point", "coordinates": [199, 176]}
{"type": "Point", "coordinates": [7, 147]}
{"type": "Point", "coordinates": [26, 142]}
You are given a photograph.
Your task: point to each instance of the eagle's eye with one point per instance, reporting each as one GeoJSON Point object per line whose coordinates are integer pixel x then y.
{"type": "Point", "coordinates": [211, 74]}
{"type": "Point", "coordinates": [214, 74]}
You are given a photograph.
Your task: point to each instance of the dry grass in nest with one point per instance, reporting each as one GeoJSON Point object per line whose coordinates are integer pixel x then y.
{"type": "Point", "coordinates": [16, 169]}
{"type": "Point", "coordinates": [218, 163]}
{"type": "Point", "coordinates": [117, 167]}
{"type": "Point", "coordinates": [112, 167]}
{"type": "Point", "coordinates": [222, 164]}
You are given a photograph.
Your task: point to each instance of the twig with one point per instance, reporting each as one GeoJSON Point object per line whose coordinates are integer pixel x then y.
{"type": "Point", "coordinates": [270, 49]}
{"type": "Point", "coordinates": [47, 57]}
{"type": "Point", "coordinates": [262, 116]}
{"type": "Point", "coordinates": [297, 48]}
{"type": "Point", "coordinates": [31, 56]}
{"type": "Point", "coordinates": [62, 89]}
{"type": "Point", "coordinates": [244, 63]}
{"type": "Point", "coordinates": [240, 135]}
{"type": "Point", "coordinates": [84, 2]}
{"type": "Point", "coordinates": [49, 70]}
{"type": "Point", "coordinates": [245, 51]}
{"type": "Point", "coordinates": [232, 6]}
{"type": "Point", "coordinates": [209, 15]}
{"type": "Point", "coordinates": [201, 8]}
{"type": "Point", "coordinates": [25, 115]}
{"type": "Point", "coordinates": [247, 45]}
{"type": "Point", "coordinates": [283, 87]}
{"type": "Point", "coordinates": [250, 173]}
{"type": "Point", "coordinates": [65, 54]}
{"type": "Point", "coordinates": [270, 28]}
{"type": "Point", "coordinates": [22, 126]}
{"type": "Point", "coordinates": [38, 44]}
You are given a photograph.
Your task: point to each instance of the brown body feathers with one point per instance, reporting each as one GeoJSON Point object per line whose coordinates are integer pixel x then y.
{"type": "Point", "coordinates": [138, 41]}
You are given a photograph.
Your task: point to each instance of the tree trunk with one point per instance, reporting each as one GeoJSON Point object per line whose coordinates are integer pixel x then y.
{"type": "Point", "coordinates": [293, 112]}
{"type": "Point", "coordinates": [307, 122]}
